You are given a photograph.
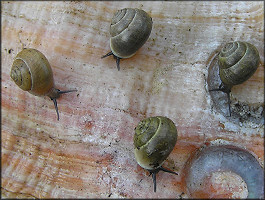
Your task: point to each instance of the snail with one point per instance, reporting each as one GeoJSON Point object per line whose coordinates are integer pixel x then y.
{"type": "Point", "coordinates": [223, 158]}
{"type": "Point", "coordinates": [237, 62]}
{"type": "Point", "coordinates": [31, 71]}
{"type": "Point", "coordinates": [154, 139]}
{"type": "Point", "coordinates": [129, 30]}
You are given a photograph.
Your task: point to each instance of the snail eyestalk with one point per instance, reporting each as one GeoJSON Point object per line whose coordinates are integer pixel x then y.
{"type": "Point", "coordinates": [226, 89]}
{"type": "Point", "coordinates": [115, 57]}
{"type": "Point", "coordinates": [117, 62]}
{"type": "Point", "coordinates": [108, 54]}
{"type": "Point", "coordinates": [56, 107]}
{"type": "Point", "coordinates": [154, 172]}
{"type": "Point", "coordinates": [58, 92]}
{"type": "Point", "coordinates": [66, 91]}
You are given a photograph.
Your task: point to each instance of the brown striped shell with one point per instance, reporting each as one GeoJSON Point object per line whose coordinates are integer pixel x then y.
{"type": "Point", "coordinates": [129, 29]}
{"type": "Point", "coordinates": [154, 140]}
{"type": "Point", "coordinates": [238, 61]}
{"type": "Point", "coordinates": [32, 72]}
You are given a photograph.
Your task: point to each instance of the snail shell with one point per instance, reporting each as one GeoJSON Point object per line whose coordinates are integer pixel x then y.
{"type": "Point", "coordinates": [208, 160]}
{"type": "Point", "coordinates": [32, 72]}
{"type": "Point", "coordinates": [238, 61]}
{"type": "Point", "coordinates": [154, 139]}
{"type": "Point", "coordinates": [129, 29]}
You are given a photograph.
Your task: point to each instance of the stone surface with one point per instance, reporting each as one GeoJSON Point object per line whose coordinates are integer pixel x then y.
{"type": "Point", "coordinates": [89, 152]}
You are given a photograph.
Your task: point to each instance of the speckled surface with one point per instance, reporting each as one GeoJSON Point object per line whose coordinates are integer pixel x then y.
{"type": "Point", "coordinates": [89, 152]}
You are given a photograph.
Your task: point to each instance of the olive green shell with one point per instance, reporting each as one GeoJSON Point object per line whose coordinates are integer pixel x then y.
{"type": "Point", "coordinates": [129, 29]}
{"type": "Point", "coordinates": [154, 139]}
{"type": "Point", "coordinates": [238, 61]}
{"type": "Point", "coordinates": [31, 71]}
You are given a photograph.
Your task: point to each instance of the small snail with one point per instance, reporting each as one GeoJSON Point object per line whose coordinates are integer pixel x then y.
{"type": "Point", "coordinates": [237, 62]}
{"type": "Point", "coordinates": [129, 29]}
{"type": "Point", "coordinates": [31, 71]}
{"type": "Point", "coordinates": [154, 139]}
{"type": "Point", "coordinates": [223, 158]}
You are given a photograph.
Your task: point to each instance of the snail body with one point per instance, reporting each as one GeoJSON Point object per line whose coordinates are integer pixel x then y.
{"type": "Point", "coordinates": [32, 72]}
{"type": "Point", "coordinates": [154, 139]}
{"type": "Point", "coordinates": [237, 62]}
{"type": "Point", "coordinates": [223, 158]}
{"type": "Point", "coordinates": [130, 28]}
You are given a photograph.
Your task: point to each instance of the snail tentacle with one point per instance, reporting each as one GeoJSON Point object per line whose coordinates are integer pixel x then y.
{"type": "Point", "coordinates": [154, 172]}
{"type": "Point", "coordinates": [117, 62]}
{"type": "Point", "coordinates": [56, 94]}
{"type": "Point", "coordinates": [56, 107]}
{"type": "Point", "coordinates": [115, 57]}
{"type": "Point", "coordinates": [154, 179]}
{"type": "Point", "coordinates": [108, 54]}
{"type": "Point", "coordinates": [66, 91]}
{"type": "Point", "coordinates": [167, 170]}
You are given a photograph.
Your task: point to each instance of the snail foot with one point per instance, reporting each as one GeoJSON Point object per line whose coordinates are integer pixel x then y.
{"type": "Point", "coordinates": [226, 89]}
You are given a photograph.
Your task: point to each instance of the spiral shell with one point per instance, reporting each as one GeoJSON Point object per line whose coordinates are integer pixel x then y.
{"type": "Point", "coordinates": [223, 158]}
{"type": "Point", "coordinates": [129, 29]}
{"type": "Point", "coordinates": [238, 61]}
{"type": "Point", "coordinates": [31, 71]}
{"type": "Point", "coordinates": [154, 139]}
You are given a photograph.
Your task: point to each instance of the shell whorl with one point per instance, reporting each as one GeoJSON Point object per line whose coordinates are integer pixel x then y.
{"type": "Point", "coordinates": [154, 139]}
{"type": "Point", "coordinates": [145, 130]}
{"type": "Point", "coordinates": [21, 75]}
{"type": "Point", "coordinates": [238, 61]}
{"type": "Point", "coordinates": [129, 29]}
{"type": "Point", "coordinates": [31, 71]}
{"type": "Point", "coordinates": [121, 20]}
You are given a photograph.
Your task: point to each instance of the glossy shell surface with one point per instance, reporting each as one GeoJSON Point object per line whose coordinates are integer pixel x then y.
{"type": "Point", "coordinates": [129, 29]}
{"type": "Point", "coordinates": [154, 139]}
{"type": "Point", "coordinates": [238, 61]}
{"type": "Point", "coordinates": [31, 71]}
